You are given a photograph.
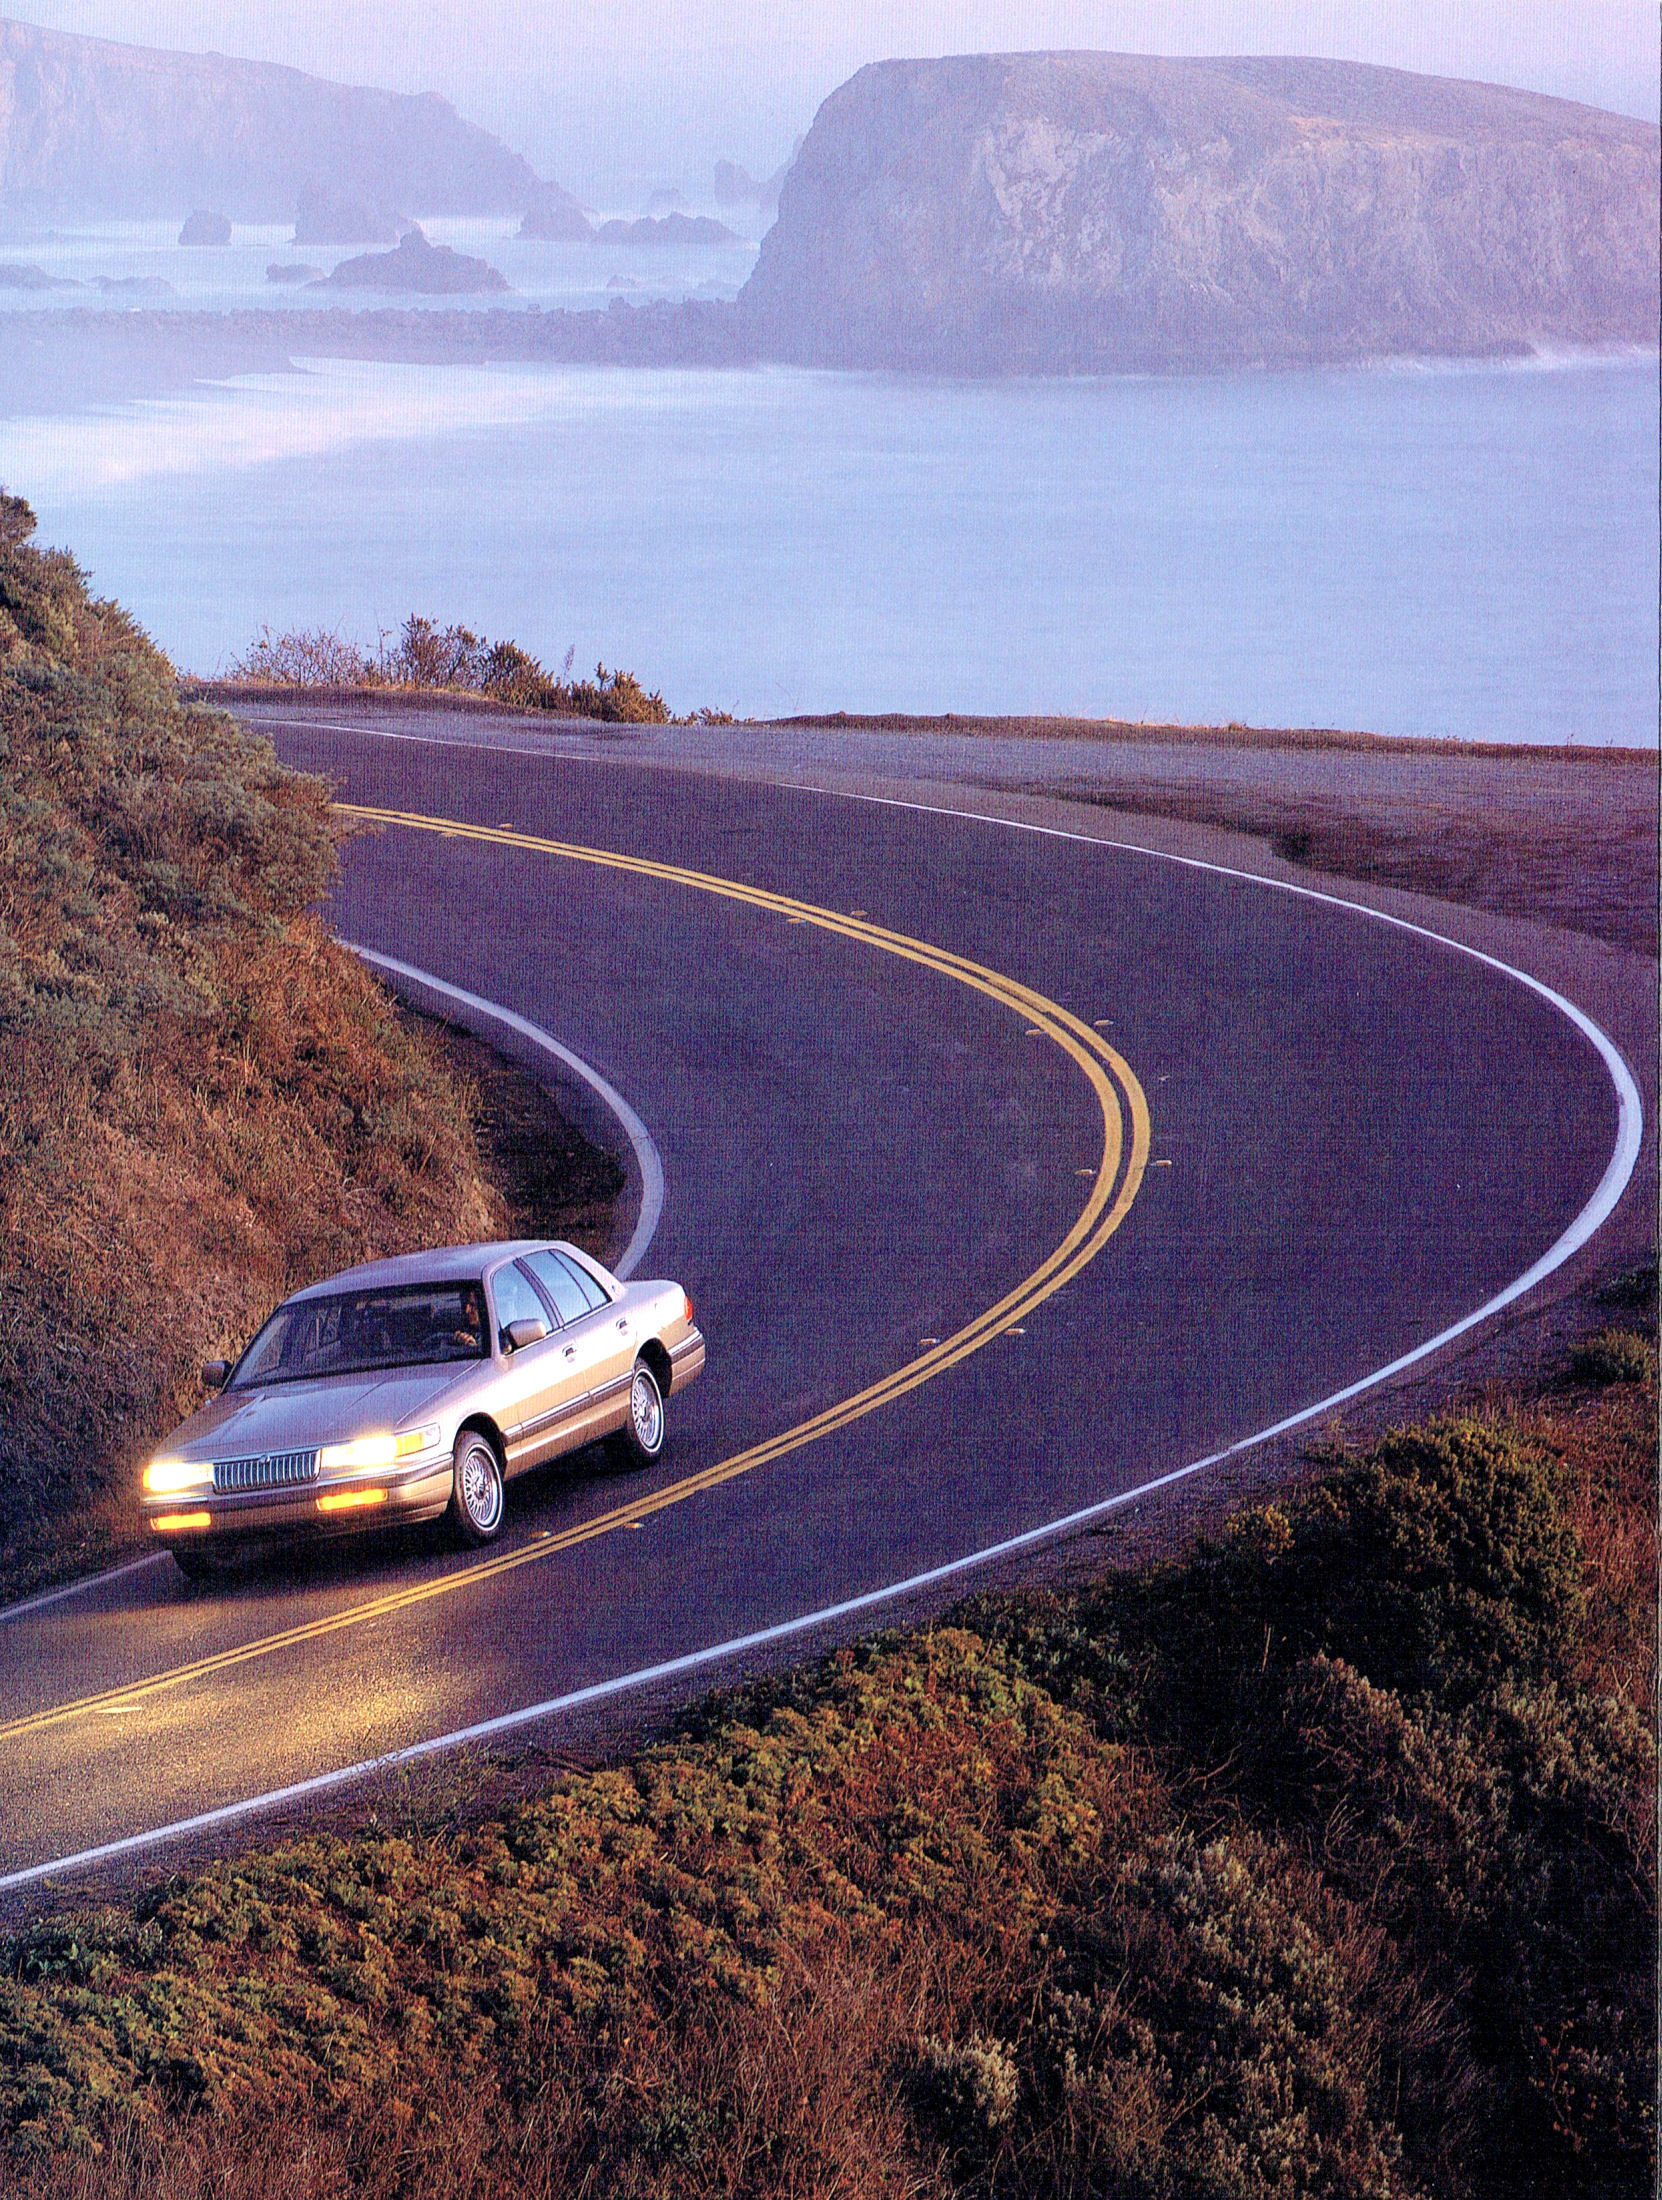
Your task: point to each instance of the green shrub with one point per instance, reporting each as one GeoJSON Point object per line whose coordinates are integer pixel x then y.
{"type": "Point", "coordinates": [967, 2091]}
{"type": "Point", "coordinates": [1614, 1356]}
{"type": "Point", "coordinates": [1500, 1847]}
{"type": "Point", "coordinates": [1634, 1288]}
{"type": "Point", "coordinates": [1215, 2027]}
{"type": "Point", "coordinates": [1437, 1564]}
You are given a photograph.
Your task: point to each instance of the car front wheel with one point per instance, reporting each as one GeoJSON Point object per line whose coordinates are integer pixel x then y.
{"type": "Point", "coordinates": [205, 1561]}
{"type": "Point", "coordinates": [641, 1437]}
{"type": "Point", "coordinates": [477, 1498]}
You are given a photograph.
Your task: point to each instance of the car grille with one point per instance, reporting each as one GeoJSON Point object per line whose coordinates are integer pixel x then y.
{"type": "Point", "coordinates": [277, 1470]}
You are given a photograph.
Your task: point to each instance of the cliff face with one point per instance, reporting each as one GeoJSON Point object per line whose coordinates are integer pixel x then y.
{"type": "Point", "coordinates": [1054, 212]}
{"type": "Point", "coordinates": [88, 127]}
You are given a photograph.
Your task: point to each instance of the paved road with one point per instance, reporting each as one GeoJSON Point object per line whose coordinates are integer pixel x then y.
{"type": "Point", "coordinates": [1356, 1137]}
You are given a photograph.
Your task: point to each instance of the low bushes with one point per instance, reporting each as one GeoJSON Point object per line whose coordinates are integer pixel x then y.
{"type": "Point", "coordinates": [203, 1101]}
{"type": "Point", "coordinates": [1614, 1356]}
{"type": "Point", "coordinates": [450, 659]}
{"type": "Point", "coordinates": [1314, 1867]}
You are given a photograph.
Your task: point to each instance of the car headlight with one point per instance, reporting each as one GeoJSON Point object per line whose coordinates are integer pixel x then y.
{"type": "Point", "coordinates": [377, 1451]}
{"type": "Point", "coordinates": [164, 1476]}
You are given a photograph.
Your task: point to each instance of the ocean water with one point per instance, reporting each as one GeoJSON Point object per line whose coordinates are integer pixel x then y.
{"type": "Point", "coordinates": [113, 265]}
{"type": "Point", "coordinates": [1464, 551]}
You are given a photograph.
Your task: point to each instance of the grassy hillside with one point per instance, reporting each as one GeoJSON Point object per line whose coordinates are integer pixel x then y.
{"type": "Point", "coordinates": [1319, 1864]}
{"type": "Point", "coordinates": [203, 1101]}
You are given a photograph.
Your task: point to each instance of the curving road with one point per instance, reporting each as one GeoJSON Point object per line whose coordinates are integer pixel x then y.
{"type": "Point", "coordinates": [1008, 1173]}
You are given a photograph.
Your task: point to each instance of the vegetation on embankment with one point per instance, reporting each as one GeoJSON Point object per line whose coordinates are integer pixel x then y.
{"type": "Point", "coordinates": [430, 659]}
{"type": "Point", "coordinates": [552, 1180]}
{"type": "Point", "coordinates": [203, 1101]}
{"type": "Point", "coordinates": [1317, 1864]}
{"type": "Point", "coordinates": [1179, 734]}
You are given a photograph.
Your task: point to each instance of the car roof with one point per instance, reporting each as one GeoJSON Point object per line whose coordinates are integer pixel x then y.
{"type": "Point", "coordinates": [444, 1264]}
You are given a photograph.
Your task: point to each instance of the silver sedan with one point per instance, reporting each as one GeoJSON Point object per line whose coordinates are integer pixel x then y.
{"type": "Point", "coordinates": [418, 1387]}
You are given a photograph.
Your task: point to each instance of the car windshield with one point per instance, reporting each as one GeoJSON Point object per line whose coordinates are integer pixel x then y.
{"type": "Point", "coordinates": [404, 1325]}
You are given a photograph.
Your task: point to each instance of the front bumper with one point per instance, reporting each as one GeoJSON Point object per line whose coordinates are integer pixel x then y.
{"type": "Point", "coordinates": [335, 1505]}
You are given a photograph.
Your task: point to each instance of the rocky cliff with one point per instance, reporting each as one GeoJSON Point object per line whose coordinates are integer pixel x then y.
{"type": "Point", "coordinates": [88, 127]}
{"type": "Point", "coordinates": [1073, 211]}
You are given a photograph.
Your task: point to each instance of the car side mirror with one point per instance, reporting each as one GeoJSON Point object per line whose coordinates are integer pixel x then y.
{"type": "Point", "coordinates": [527, 1330]}
{"type": "Point", "coordinates": [216, 1373]}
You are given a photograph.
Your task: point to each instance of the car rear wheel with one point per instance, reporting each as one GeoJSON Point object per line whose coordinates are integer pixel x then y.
{"type": "Point", "coordinates": [477, 1498]}
{"type": "Point", "coordinates": [641, 1437]}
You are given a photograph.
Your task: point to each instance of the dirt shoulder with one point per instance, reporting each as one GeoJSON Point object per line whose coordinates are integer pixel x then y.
{"type": "Point", "coordinates": [552, 1178]}
{"type": "Point", "coordinates": [1018, 727]}
{"type": "Point", "coordinates": [1560, 836]}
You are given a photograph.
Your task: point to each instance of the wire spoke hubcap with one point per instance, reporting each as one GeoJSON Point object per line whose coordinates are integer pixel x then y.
{"type": "Point", "coordinates": [481, 1488]}
{"type": "Point", "coordinates": [646, 1410]}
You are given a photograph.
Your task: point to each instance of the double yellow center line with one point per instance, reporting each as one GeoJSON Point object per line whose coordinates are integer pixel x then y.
{"type": "Point", "coordinates": [1113, 1188]}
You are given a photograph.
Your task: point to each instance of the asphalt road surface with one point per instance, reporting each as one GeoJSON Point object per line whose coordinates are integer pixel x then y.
{"type": "Point", "coordinates": [1069, 1165]}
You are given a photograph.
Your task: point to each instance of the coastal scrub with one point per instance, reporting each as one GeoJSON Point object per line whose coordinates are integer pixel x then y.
{"type": "Point", "coordinates": [204, 1102]}
{"type": "Point", "coordinates": [1315, 1866]}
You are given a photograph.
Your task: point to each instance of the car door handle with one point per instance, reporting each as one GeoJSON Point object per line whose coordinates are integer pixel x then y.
{"type": "Point", "coordinates": [571, 1352]}
{"type": "Point", "coordinates": [624, 1324]}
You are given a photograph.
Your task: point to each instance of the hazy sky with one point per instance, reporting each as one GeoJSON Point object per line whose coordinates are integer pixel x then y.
{"type": "Point", "coordinates": [611, 97]}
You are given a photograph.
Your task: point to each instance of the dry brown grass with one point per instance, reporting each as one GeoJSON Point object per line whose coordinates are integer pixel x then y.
{"type": "Point", "coordinates": [1230, 736]}
{"type": "Point", "coordinates": [1608, 1441]}
{"type": "Point", "coordinates": [203, 1101]}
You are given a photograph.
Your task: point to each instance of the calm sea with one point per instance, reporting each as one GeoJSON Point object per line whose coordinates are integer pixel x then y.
{"type": "Point", "coordinates": [1421, 550]}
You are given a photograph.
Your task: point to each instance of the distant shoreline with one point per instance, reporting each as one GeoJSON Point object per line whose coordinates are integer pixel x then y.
{"type": "Point", "coordinates": [146, 351]}
{"type": "Point", "coordinates": [1016, 726]}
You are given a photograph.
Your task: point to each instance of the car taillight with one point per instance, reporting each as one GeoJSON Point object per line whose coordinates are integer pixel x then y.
{"type": "Point", "coordinates": [686, 1308]}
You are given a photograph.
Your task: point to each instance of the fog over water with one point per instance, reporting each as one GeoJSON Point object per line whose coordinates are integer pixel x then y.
{"type": "Point", "coordinates": [613, 100]}
{"type": "Point", "coordinates": [1445, 550]}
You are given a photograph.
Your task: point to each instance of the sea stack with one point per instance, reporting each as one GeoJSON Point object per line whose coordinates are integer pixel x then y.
{"type": "Point", "coordinates": [1079, 212]}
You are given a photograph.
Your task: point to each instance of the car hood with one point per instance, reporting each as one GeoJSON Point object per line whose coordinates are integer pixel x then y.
{"type": "Point", "coordinates": [297, 1416]}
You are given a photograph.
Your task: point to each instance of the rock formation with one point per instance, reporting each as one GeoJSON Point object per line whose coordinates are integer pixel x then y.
{"type": "Point", "coordinates": [736, 186]}
{"type": "Point", "coordinates": [665, 229]}
{"type": "Point", "coordinates": [1073, 211]}
{"type": "Point", "coordinates": [19, 275]}
{"type": "Point", "coordinates": [133, 286]}
{"type": "Point", "coordinates": [325, 216]}
{"type": "Point", "coordinates": [554, 217]}
{"type": "Point", "coordinates": [205, 227]}
{"type": "Point", "coordinates": [416, 269]}
{"type": "Point", "coordinates": [89, 127]}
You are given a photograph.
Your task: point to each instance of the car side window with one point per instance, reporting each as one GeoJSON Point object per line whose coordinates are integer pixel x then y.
{"type": "Point", "coordinates": [574, 1293]}
{"type": "Point", "coordinates": [591, 1290]}
{"type": "Point", "coordinates": [514, 1299]}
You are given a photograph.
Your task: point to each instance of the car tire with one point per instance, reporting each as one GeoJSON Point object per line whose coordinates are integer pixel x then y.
{"type": "Point", "coordinates": [641, 1439]}
{"type": "Point", "coordinates": [204, 1561]}
{"type": "Point", "coordinates": [478, 1500]}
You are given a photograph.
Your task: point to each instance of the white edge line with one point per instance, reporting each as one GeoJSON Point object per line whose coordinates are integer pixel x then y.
{"type": "Point", "coordinates": [80, 1588]}
{"type": "Point", "coordinates": [651, 1168]}
{"type": "Point", "coordinates": [1612, 1184]}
